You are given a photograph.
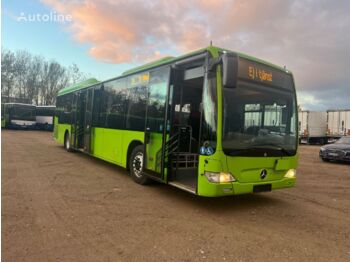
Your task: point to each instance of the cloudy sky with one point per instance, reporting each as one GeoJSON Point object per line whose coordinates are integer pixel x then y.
{"type": "Point", "coordinates": [106, 37]}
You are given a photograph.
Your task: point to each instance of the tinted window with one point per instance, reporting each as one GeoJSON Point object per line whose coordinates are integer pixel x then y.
{"type": "Point", "coordinates": [137, 99]}
{"type": "Point", "coordinates": [45, 111]}
{"type": "Point", "coordinates": [22, 112]}
{"type": "Point", "coordinates": [157, 98]}
{"type": "Point", "coordinates": [115, 98]}
{"type": "Point", "coordinates": [97, 107]}
{"type": "Point", "coordinates": [209, 121]}
{"type": "Point", "coordinates": [64, 108]}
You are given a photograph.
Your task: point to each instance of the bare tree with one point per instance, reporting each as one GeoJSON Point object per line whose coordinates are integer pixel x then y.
{"type": "Point", "coordinates": [7, 72]}
{"type": "Point", "coordinates": [56, 71]}
{"type": "Point", "coordinates": [32, 81]}
{"type": "Point", "coordinates": [75, 75]}
{"type": "Point", "coordinates": [22, 62]}
{"type": "Point", "coordinates": [34, 78]}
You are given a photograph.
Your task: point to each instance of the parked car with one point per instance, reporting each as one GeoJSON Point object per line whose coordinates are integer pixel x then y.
{"type": "Point", "coordinates": [340, 150]}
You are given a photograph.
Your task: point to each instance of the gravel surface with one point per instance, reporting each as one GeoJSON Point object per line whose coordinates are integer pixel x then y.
{"type": "Point", "coordinates": [60, 206]}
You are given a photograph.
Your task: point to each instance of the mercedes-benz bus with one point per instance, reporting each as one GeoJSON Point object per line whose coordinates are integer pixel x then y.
{"type": "Point", "coordinates": [18, 116]}
{"type": "Point", "coordinates": [212, 122]}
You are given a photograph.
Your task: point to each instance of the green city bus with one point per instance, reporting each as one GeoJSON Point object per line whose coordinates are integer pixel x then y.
{"type": "Point", "coordinates": [212, 122]}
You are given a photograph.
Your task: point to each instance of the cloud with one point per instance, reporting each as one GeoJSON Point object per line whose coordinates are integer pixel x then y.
{"type": "Point", "coordinates": [311, 37]}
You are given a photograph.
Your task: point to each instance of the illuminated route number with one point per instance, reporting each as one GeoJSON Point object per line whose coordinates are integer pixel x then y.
{"type": "Point", "coordinates": [256, 73]}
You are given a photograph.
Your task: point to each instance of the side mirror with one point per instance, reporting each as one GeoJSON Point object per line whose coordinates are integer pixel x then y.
{"type": "Point", "coordinates": [229, 70]}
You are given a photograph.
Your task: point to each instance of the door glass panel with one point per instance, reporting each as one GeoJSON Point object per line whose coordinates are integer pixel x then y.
{"type": "Point", "coordinates": [88, 121]}
{"type": "Point", "coordinates": [156, 109]}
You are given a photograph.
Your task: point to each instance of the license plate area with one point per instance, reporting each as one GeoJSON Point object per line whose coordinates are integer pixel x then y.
{"type": "Point", "coordinates": [333, 154]}
{"type": "Point", "coordinates": [262, 188]}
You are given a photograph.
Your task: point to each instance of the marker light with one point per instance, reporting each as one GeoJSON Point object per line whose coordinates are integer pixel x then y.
{"type": "Point", "coordinates": [219, 177]}
{"type": "Point", "coordinates": [291, 173]}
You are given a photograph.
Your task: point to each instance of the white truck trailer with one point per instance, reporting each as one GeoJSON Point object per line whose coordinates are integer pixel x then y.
{"type": "Point", "coordinates": [312, 127]}
{"type": "Point", "coordinates": [338, 123]}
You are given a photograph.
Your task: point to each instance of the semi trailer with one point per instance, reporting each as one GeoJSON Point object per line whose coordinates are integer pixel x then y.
{"type": "Point", "coordinates": [312, 127]}
{"type": "Point", "coordinates": [338, 123]}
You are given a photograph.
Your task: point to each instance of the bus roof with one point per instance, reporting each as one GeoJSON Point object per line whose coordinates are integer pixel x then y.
{"type": "Point", "coordinates": [78, 86]}
{"type": "Point", "coordinates": [164, 61]}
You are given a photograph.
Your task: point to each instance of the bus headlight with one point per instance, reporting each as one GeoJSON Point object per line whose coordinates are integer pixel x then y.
{"type": "Point", "coordinates": [291, 173]}
{"type": "Point", "coordinates": [219, 177]}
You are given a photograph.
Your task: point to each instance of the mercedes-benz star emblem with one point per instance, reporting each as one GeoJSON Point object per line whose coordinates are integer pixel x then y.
{"type": "Point", "coordinates": [263, 173]}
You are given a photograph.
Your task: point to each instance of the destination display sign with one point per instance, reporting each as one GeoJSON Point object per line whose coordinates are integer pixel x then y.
{"type": "Point", "coordinates": [261, 73]}
{"type": "Point", "coordinates": [139, 79]}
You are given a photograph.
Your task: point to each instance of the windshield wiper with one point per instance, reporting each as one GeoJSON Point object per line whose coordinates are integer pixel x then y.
{"type": "Point", "coordinates": [255, 147]}
{"type": "Point", "coordinates": [270, 146]}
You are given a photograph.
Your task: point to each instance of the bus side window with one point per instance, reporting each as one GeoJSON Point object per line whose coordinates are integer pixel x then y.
{"type": "Point", "coordinates": [136, 108]}
{"type": "Point", "coordinates": [116, 103]}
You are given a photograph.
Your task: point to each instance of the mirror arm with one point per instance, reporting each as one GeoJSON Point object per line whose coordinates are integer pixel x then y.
{"type": "Point", "coordinates": [213, 63]}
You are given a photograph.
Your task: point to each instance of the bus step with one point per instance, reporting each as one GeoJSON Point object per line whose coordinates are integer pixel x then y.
{"type": "Point", "coordinates": [184, 160]}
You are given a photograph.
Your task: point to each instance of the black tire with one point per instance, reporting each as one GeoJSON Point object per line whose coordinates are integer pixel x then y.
{"type": "Point", "coordinates": [324, 159]}
{"type": "Point", "coordinates": [67, 144]}
{"type": "Point", "coordinates": [136, 166]}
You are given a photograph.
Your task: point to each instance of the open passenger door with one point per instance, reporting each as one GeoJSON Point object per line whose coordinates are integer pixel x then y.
{"type": "Point", "coordinates": [157, 124]}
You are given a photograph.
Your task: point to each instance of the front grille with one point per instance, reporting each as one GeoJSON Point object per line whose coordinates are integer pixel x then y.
{"type": "Point", "coordinates": [335, 153]}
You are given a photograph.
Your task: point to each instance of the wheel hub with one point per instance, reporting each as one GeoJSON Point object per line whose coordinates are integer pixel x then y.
{"type": "Point", "coordinates": [137, 164]}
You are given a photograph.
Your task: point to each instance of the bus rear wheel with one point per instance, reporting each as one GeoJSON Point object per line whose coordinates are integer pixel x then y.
{"type": "Point", "coordinates": [136, 165]}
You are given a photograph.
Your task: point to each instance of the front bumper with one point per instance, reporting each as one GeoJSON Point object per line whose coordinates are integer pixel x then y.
{"type": "Point", "coordinates": [22, 127]}
{"type": "Point", "coordinates": [336, 155]}
{"type": "Point", "coordinates": [237, 188]}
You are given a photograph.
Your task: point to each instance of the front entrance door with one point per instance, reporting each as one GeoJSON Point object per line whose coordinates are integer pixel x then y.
{"type": "Point", "coordinates": [157, 127]}
{"type": "Point", "coordinates": [185, 132]}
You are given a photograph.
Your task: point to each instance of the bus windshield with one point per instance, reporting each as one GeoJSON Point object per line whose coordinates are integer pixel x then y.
{"type": "Point", "coordinates": [259, 120]}
{"type": "Point", "coordinates": [45, 111]}
{"type": "Point", "coordinates": [20, 112]}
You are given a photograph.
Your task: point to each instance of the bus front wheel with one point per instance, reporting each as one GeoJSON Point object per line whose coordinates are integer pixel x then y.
{"type": "Point", "coordinates": [136, 165]}
{"type": "Point", "coordinates": [67, 145]}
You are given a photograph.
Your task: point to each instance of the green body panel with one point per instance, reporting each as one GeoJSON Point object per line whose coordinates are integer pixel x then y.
{"type": "Point", "coordinates": [246, 171]}
{"type": "Point", "coordinates": [59, 130]}
{"type": "Point", "coordinates": [112, 144]}
{"type": "Point", "coordinates": [153, 152]}
{"type": "Point", "coordinates": [55, 128]}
